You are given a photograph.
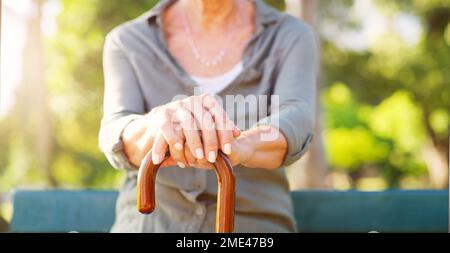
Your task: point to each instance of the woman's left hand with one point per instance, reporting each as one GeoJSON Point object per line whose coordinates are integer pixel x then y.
{"type": "Point", "coordinates": [259, 147]}
{"type": "Point", "coordinates": [242, 147]}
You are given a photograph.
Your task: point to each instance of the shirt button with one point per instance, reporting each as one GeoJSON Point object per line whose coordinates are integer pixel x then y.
{"type": "Point", "coordinates": [200, 211]}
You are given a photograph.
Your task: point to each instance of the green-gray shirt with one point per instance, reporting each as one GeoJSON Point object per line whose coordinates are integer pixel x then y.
{"type": "Point", "coordinates": [140, 74]}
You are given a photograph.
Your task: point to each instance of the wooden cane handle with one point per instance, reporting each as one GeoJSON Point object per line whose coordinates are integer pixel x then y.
{"type": "Point", "coordinates": [225, 193]}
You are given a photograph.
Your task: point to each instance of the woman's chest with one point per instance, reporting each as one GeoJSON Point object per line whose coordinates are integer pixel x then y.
{"type": "Point", "coordinates": [162, 77]}
{"type": "Point", "coordinates": [208, 54]}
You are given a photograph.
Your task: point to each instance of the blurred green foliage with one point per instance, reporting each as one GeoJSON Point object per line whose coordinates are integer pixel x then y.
{"type": "Point", "coordinates": [280, 5]}
{"type": "Point", "coordinates": [388, 136]}
{"type": "Point", "coordinates": [384, 105]}
{"type": "Point", "coordinates": [77, 87]}
{"type": "Point", "coordinates": [381, 105]}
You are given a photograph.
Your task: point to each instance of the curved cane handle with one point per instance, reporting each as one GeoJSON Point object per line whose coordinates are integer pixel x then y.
{"type": "Point", "coordinates": [225, 193]}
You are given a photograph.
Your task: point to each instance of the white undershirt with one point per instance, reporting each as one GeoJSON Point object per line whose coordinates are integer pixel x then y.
{"type": "Point", "coordinates": [216, 84]}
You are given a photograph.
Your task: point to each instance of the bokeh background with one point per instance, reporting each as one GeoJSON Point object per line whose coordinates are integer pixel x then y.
{"type": "Point", "coordinates": [384, 102]}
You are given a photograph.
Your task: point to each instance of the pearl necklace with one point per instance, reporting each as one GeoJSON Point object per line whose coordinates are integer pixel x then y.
{"type": "Point", "coordinates": [208, 62]}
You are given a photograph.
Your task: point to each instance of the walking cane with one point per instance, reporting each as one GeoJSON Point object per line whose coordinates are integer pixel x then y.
{"type": "Point", "coordinates": [225, 192]}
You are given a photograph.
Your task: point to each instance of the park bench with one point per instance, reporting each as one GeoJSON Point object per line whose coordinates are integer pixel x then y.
{"type": "Point", "coordinates": [315, 211]}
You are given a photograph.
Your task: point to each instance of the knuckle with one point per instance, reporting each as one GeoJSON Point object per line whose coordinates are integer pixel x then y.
{"type": "Point", "coordinates": [211, 144]}
{"type": "Point", "coordinates": [229, 125]}
{"type": "Point", "coordinates": [182, 116]}
{"type": "Point", "coordinates": [192, 135]}
{"type": "Point", "coordinates": [177, 156]}
{"type": "Point", "coordinates": [188, 99]}
{"type": "Point", "coordinates": [188, 154]}
{"type": "Point", "coordinates": [187, 103]}
{"type": "Point", "coordinates": [221, 122]}
{"type": "Point", "coordinates": [166, 123]}
{"type": "Point", "coordinates": [178, 103]}
{"type": "Point", "coordinates": [208, 125]}
{"type": "Point", "coordinates": [171, 140]}
{"type": "Point", "coordinates": [178, 128]}
{"type": "Point", "coordinates": [209, 101]}
{"type": "Point", "coordinates": [225, 135]}
{"type": "Point", "coordinates": [194, 143]}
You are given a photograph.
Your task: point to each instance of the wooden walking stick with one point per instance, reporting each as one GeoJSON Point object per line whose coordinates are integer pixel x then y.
{"type": "Point", "coordinates": [225, 193]}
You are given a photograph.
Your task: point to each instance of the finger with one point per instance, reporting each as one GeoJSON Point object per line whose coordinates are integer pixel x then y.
{"type": "Point", "coordinates": [194, 162]}
{"type": "Point", "coordinates": [225, 127]}
{"type": "Point", "coordinates": [236, 132]}
{"type": "Point", "coordinates": [175, 141]}
{"type": "Point", "coordinates": [159, 149]}
{"type": "Point", "coordinates": [191, 132]}
{"type": "Point", "coordinates": [190, 158]}
{"type": "Point", "coordinates": [209, 136]}
{"type": "Point", "coordinates": [208, 128]}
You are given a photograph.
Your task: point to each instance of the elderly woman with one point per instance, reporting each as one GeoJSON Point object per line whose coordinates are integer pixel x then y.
{"type": "Point", "coordinates": [154, 66]}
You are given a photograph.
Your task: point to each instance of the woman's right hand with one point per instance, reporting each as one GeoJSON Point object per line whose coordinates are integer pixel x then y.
{"type": "Point", "coordinates": [197, 124]}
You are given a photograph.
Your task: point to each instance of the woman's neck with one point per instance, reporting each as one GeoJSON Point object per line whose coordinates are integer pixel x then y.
{"type": "Point", "coordinates": [211, 15]}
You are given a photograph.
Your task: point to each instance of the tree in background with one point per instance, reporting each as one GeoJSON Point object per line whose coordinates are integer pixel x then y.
{"type": "Point", "coordinates": [77, 85]}
{"type": "Point", "coordinates": [30, 127]}
{"type": "Point", "coordinates": [51, 139]}
{"type": "Point", "coordinates": [394, 95]}
{"type": "Point", "coordinates": [3, 223]}
{"type": "Point", "coordinates": [311, 171]}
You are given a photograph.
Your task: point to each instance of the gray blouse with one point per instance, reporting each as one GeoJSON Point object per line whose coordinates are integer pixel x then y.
{"type": "Point", "coordinates": [140, 74]}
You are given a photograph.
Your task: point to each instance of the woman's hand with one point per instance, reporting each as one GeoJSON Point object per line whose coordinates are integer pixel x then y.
{"type": "Point", "coordinates": [196, 127]}
{"type": "Point", "coordinates": [261, 147]}
{"type": "Point", "coordinates": [243, 149]}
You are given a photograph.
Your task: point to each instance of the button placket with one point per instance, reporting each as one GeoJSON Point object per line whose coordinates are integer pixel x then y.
{"type": "Point", "coordinates": [200, 180]}
{"type": "Point", "coordinates": [198, 217]}
{"type": "Point", "coordinates": [200, 211]}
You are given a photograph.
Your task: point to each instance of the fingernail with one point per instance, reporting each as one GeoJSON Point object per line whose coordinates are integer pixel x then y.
{"type": "Point", "coordinates": [236, 132]}
{"type": "Point", "coordinates": [227, 149]}
{"type": "Point", "coordinates": [181, 165]}
{"type": "Point", "coordinates": [199, 153]}
{"type": "Point", "coordinates": [178, 146]}
{"type": "Point", "coordinates": [155, 159]}
{"type": "Point", "coordinates": [212, 156]}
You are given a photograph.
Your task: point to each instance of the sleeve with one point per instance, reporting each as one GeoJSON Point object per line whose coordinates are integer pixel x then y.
{"type": "Point", "coordinates": [293, 108]}
{"type": "Point", "coordinates": [123, 102]}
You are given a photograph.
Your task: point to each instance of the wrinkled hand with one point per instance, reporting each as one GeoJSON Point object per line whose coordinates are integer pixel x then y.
{"type": "Point", "coordinates": [192, 130]}
{"type": "Point", "coordinates": [242, 150]}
